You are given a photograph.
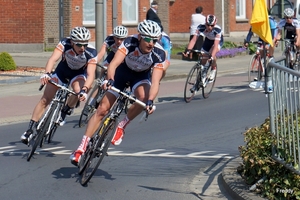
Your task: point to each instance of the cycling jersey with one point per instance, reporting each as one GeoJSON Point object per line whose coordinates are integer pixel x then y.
{"type": "Point", "coordinates": [166, 43]}
{"type": "Point", "coordinates": [137, 66]}
{"type": "Point", "coordinates": [290, 28]}
{"type": "Point", "coordinates": [71, 64]}
{"type": "Point", "coordinates": [110, 43]}
{"type": "Point", "coordinates": [210, 37]}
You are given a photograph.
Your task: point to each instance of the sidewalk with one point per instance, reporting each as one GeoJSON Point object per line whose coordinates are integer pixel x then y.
{"type": "Point", "coordinates": [231, 181]}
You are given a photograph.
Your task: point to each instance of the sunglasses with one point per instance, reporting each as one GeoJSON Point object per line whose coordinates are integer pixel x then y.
{"type": "Point", "coordinates": [149, 39]}
{"type": "Point", "coordinates": [210, 25]}
{"type": "Point", "coordinates": [288, 17]}
{"type": "Point", "coordinates": [81, 45]}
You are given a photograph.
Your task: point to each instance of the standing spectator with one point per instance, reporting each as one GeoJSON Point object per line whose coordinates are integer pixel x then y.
{"type": "Point", "coordinates": [197, 19]}
{"type": "Point", "coordinates": [152, 13]}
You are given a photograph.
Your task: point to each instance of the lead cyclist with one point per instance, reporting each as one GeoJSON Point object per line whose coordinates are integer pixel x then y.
{"type": "Point", "coordinates": [132, 63]}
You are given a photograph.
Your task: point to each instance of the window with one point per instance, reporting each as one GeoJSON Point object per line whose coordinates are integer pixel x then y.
{"type": "Point", "coordinates": [89, 13]}
{"type": "Point", "coordinates": [240, 9]}
{"type": "Point", "coordinates": [130, 12]}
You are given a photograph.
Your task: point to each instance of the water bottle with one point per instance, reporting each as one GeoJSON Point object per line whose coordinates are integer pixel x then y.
{"type": "Point", "coordinates": [203, 70]}
{"type": "Point", "coordinates": [269, 86]}
{"type": "Point", "coordinates": [292, 55]}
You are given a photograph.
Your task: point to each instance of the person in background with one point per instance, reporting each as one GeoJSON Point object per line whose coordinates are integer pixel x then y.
{"type": "Point", "coordinates": [77, 68]}
{"type": "Point", "coordinates": [152, 13]}
{"type": "Point", "coordinates": [196, 19]}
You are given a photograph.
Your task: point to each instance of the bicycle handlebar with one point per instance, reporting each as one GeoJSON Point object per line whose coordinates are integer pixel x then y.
{"type": "Point", "coordinates": [145, 115]}
{"type": "Point", "coordinates": [60, 86]}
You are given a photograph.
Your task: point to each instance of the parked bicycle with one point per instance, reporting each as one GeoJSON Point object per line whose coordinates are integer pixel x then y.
{"type": "Point", "coordinates": [50, 121]}
{"type": "Point", "coordinates": [198, 77]}
{"type": "Point", "coordinates": [99, 143]}
{"type": "Point", "coordinates": [93, 99]}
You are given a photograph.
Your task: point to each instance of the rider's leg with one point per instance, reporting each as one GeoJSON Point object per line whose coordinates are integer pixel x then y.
{"type": "Point", "coordinates": [76, 84]}
{"type": "Point", "coordinates": [141, 92]}
{"type": "Point", "coordinates": [104, 106]}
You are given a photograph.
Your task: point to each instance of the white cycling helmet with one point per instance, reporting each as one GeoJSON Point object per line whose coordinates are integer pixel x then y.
{"type": "Point", "coordinates": [288, 12]}
{"type": "Point", "coordinates": [211, 20]}
{"type": "Point", "coordinates": [149, 28]}
{"type": "Point", "coordinates": [80, 34]}
{"type": "Point", "coordinates": [120, 32]}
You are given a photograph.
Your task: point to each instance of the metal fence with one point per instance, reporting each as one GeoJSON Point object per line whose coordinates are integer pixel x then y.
{"type": "Point", "coordinates": [282, 86]}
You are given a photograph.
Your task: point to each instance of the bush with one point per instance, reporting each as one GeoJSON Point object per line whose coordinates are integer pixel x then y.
{"type": "Point", "coordinates": [258, 165]}
{"type": "Point", "coordinates": [7, 62]}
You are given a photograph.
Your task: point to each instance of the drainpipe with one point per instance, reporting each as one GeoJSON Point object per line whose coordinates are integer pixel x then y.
{"type": "Point", "coordinates": [115, 13]}
{"type": "Point", "coordinates": [223, 17]}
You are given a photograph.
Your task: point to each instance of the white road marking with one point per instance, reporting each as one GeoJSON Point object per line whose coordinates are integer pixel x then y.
{"type": "Point", "coordinates": [11, 150]}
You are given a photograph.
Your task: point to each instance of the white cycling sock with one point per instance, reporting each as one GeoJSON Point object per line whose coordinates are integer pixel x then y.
{"type": "Point", "coordinates": [124, 122]}
{"type": "Point", "coordinates": [85, 140]}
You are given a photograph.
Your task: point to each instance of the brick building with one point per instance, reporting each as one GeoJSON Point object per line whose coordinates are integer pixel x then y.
{"type": "Point", "coordinates": [35, 25]}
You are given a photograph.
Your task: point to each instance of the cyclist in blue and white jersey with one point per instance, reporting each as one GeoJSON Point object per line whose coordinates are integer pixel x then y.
{"type": "Point", "coordinates": [76, 68]}
{"type": "Point", "coordinates": [291, 26]}
{"type": "Point", "coordinates": [273, 27]}
{"type": "Point", "coordinates": [166, 43]}
{"type": "Point", "coordinates": [132, 63]}
{"type": "Point", "coordinates": [212, 43]}
{"type": "Point", "coordinates": [110, 46]}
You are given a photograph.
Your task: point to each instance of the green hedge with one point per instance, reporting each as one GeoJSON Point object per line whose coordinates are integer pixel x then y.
{"type": "Point", "coordinates": [7, 62]}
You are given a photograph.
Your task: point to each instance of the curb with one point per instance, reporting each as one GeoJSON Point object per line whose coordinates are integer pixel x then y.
{"type": "Point", "coordinates": [234, 183]}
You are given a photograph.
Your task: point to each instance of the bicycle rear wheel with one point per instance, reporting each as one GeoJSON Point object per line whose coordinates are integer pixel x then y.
{"type": "Point", "coordinates": [192, 84]}
{"type": "Point", "coordinates": [208, 85]}
{"type": "Point", "coordinates": [255, 71]}
{"type": "Point", "coordinates": [108, 127]}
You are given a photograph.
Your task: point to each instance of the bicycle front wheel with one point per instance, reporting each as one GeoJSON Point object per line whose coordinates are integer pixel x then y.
{"type": "Point", "coordinates": [99, 150]}
{"type": "Point", "coordinates": [192, 84]}
{"type": "Point", "coordinates": [255, 71]}
{"type": "Point", "coordinates": [38, 139]}
{"type": "Point", "coordinates": [208, 84]}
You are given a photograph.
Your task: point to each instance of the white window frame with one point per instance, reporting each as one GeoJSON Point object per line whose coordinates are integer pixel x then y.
{"type": "Point", "coordinates": [241, 8]}
{"type": "Point", "coordinates": [89, 13]}
{"type": "Point", "coordinates": [128, 11]}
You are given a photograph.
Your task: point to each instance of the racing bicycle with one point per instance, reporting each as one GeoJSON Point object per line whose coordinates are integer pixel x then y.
{"type": "Point", "coordinates": [99, 143]}
{"type": "Point", "coordinates": [50, 121]}
{"type": "Point", "coordinates": [198, 77]}
{"type": "Point", "coordinates": [291, 55]}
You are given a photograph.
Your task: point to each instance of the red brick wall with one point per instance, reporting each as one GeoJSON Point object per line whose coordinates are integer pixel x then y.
{"type": "Point", "coordinates": [21, 22]}
{"type": "Point", "coordinates": [181, 11]}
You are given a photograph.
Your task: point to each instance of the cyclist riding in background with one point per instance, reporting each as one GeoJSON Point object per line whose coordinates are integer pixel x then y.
{"type": "Point", "coordinates": [110, 45]}
{"type": "Point", "coordinates": [76, 68]}
{"type": "Point", "coordinates": [212, 43]}
{"type": "Point", "coordinates": [132, 63]}
{"type": "Point", "coordinates": [273, 27]}
{"type": "Point", "coordinates": [291, 26]}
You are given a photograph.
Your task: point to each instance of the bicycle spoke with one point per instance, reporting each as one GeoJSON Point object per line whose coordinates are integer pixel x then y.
{"type": "Point", "coordinates": [208, 84]}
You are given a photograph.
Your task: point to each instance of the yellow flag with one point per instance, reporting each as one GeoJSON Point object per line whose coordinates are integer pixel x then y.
{"type": "Point", "coordinates": [260, 21]}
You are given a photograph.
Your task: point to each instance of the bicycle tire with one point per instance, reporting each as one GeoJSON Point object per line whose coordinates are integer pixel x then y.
{"type": "Point", "coordinates": [255, 72]}
{"type": "Point", "coordinates": [88, 110]}
{"type": "Point", "coordinates": [191, 84]}
{"type": "Point", "coordinates": [99, 151]}
{"type": "Point", "coordinates": [38, 138]}
{"type": "Point", "coordinates": [208, 85]}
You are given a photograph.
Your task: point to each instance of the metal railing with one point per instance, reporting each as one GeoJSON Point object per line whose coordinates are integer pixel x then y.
{"type": "Point", "coordinates": [283, 89]}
